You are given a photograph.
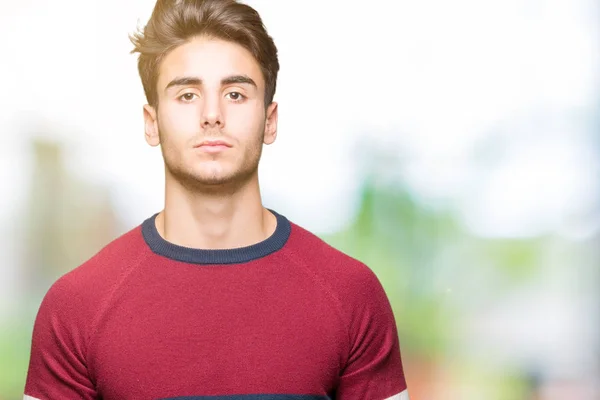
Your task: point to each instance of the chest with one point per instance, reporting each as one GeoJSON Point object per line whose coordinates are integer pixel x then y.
{"type": "Point", "coordinates": [202, 337]}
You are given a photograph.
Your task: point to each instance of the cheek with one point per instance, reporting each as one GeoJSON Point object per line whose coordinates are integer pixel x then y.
{"type": "Point", "coordinates": [246, 124]}
{"type": "Point", "coordinates": [178, 122]}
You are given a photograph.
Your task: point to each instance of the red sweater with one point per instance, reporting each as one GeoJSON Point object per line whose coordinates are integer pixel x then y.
{"type": "Point", "coordinates": [287, 318]}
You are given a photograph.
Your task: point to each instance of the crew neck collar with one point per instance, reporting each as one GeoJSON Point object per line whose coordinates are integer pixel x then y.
{"type": "Point", "coordinates": [213, 256]}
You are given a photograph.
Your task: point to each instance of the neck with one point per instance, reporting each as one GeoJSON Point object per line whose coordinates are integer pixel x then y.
{"type": "Point", "coordinates": [214, 219]}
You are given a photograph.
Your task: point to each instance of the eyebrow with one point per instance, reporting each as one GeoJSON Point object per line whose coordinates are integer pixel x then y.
{"type": "Point", "coordinates": [193, 81]}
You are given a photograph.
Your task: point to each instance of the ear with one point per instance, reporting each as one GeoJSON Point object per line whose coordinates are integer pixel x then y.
{"type": "Point", "coordinates": [151, 126]}
{"type": "Point", "coordinates": [271, 124]}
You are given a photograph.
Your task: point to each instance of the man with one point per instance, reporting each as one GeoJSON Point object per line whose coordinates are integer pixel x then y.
{"type": "Point", "coordinates": [216, 296]}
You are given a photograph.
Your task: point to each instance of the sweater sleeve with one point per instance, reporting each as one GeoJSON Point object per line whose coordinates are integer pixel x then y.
{"type": "Point", "coordinates": [57, 365]}
{"type": "Point", "coordinates": [373, 370]}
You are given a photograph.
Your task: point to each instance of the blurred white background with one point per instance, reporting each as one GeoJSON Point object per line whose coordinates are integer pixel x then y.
{"type": "Point", "coordinates": [487, 110]}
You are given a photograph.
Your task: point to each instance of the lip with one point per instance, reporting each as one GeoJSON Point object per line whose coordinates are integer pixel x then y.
{"type": "Point", "coordinates": [212, 146]}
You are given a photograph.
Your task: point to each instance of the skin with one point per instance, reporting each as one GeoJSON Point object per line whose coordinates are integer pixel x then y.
{"type": "Point", "coordinates": [210, 89]}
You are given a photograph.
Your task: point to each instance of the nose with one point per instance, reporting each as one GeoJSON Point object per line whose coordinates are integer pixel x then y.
{"type": "Point", "coordinates": [211, 113]}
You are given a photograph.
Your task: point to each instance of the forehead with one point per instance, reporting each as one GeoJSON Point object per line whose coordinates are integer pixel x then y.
{"type": "Point", "coordinates": [210, 60]}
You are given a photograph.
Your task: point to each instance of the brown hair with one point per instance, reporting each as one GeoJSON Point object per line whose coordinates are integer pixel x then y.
{"type": "Point", "coordinates": [174, 22]}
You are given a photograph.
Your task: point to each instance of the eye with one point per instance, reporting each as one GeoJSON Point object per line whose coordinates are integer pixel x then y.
{"type": "Point", "coordinates": [187, 97]}
{"type": "Point", "coordinates": [236, 96]}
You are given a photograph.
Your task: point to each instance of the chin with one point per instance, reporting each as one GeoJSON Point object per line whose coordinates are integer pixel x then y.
{"type": "Point", "coordinates": [216, 181]}
{"type": "Point", "coordinates": [213, 180]}
{"type": "Point", "coordinates": [213, 176]}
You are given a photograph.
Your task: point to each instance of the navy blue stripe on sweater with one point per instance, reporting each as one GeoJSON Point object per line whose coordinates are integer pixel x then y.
{"type": "Point", "coordinates": [254, 397]}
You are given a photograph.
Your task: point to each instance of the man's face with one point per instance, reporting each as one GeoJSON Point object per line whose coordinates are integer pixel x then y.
{"type": "Point", "coordinates": [211, 120]}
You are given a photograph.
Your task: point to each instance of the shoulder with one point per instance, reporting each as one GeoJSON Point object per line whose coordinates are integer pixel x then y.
{"type": "Point", "coordinates": [353, 286]}
{"type": "Point", "coordinates": [346, 276]}
{"type": "Point", "coordinates": [109, 262]}
{"type": "Point", "coordinates": [65, 322]}
{"type": "Point", "coordinates": [81, 290]}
